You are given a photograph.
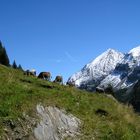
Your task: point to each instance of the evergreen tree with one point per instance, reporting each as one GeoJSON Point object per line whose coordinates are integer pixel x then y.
{"type": "Point", "coordinates": [14, 65]}
{"type": "Point", "coordinates": [4, 60]}
{"type": "Point", "coordinates": [20, 67]}
{"type": "Point", "coordinates": [1, 46]}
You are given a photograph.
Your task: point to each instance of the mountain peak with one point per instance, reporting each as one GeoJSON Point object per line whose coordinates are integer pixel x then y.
{"type": "Point", "coordinates": [111, 50]}
{"type": "Point", "coordinates": [98, 68]}
{"type": "Point", "coordinates": [135, 51]}
{"type": "Point", "coordinates": [107, 56]}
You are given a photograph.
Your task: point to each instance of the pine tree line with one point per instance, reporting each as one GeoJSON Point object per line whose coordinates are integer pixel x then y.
{"type": "Point", "coordinates": [4, 59]}
{"type": "Point", "coordinates": [14, 65]}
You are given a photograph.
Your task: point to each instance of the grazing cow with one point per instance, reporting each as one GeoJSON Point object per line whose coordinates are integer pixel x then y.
{"type": "Point", "coordinates": [45, 76]}
{"type": "Point", "coordinates": [30, 72]}
{"type": "Point", "coordinates": [58, 79]}
{"type": "Point", "coordinates": [33, 72]}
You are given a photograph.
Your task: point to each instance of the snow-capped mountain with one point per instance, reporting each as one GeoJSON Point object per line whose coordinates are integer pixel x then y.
{"type": "Point", "coordinates": [113, 71]}
{"type": "Point", "coordinates": [91, 74]}
{"type": "Point", "coordinates": [126, 68]}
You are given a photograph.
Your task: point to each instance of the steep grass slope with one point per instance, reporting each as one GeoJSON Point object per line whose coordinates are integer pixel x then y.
{"type": "Point", "coordinates": [20, 94]}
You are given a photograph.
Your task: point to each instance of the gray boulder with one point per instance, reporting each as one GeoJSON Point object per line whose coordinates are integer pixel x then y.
{"type": "Point", "coordinates": [55, 124]}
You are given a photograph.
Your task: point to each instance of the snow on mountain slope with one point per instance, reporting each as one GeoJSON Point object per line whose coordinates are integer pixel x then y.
{"type": "Point", "coordinates": [135, 51]}
{"type": "Point", "coordinates": [126, 72]}
{"type": "Point", "coordinates": [97, 70]}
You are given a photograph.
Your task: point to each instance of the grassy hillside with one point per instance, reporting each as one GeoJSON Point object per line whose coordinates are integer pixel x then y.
{"type": "Point", "coordinates": [20, 94]}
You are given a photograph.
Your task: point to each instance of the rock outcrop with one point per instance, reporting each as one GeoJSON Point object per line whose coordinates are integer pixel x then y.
{"type": "Point", "coordinates": [55, 124]}
{"type": "Point", "coordinates": [51, 124]}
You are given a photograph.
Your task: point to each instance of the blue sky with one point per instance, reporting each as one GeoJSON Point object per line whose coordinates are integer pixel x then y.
{"type": "Point", "coordinates": [61, 36]}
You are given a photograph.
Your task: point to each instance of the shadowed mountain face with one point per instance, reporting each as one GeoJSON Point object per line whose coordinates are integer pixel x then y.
{"type": "Point", "coordinates": [115, 70]}
{"type": "Point", "coordinates": [125, 73]}
{"type": "Point", "coordinates": [130, 95]}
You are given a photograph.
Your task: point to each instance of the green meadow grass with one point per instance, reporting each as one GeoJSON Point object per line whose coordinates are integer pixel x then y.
{"type": "Point", "coordinates": [19, 93]}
